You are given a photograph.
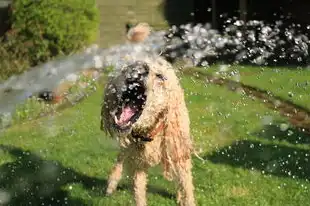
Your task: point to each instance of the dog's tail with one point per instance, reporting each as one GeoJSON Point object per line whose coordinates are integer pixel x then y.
{"type": "Point", "coordinates": [200, 158]}
{"type": "Point", "coordinates": [194, 151]}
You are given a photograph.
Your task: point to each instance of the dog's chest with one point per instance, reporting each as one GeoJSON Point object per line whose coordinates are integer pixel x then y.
{"type": "Point", "coordinates": [152, 151]}
{"type": "Point", "coordinates": [148, 153]}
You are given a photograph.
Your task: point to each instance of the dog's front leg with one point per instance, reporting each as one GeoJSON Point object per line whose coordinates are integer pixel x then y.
{"type": "Point", "coordinates": [139, 184]}
{"type": "Point", "coordinates": [115, 175]}
{"type": "Point", "coordinates": [185, 184]}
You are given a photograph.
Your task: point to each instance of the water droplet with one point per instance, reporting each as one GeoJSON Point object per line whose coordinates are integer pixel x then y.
{"type": "Point", "coordinates": [284, 127]}
{"type": "Point", "coordinates": [290, 94]}
{"type": "Point", "coordinates": [113, 90]}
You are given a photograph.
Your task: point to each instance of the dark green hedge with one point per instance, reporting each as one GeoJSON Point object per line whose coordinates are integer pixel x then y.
{"type": "Point", "coordinates": [47, 28]}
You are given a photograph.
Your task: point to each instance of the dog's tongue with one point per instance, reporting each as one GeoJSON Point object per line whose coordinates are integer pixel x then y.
{"type": "Point", "coordinates": [126, 114]}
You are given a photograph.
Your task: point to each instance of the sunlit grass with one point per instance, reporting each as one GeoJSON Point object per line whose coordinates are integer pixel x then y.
{"type": "Point", "coordinates": [287, 83]}
{"type": "Point", "coordinates": [65, 158]}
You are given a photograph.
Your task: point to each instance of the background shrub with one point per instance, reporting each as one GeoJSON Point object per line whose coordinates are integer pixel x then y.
{"type": "Point", "coordinates": [12, 61]}
{"type": "Point", "coordinates": [47, 28]}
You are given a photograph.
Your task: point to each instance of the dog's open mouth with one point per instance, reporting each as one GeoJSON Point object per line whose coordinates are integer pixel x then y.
{"type": "Point", "coordinates": [132, 103]}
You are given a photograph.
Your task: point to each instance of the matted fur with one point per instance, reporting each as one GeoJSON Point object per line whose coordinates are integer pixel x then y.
{"type": "Point", "coordinates": [171, 147]}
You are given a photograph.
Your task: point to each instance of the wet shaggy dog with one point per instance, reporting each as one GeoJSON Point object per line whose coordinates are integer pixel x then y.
{"type": "Point", "coordinates": [144, 109]}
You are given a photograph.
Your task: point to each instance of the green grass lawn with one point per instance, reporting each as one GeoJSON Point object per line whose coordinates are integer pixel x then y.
{"type": "Point", "coordinates": [289, 84]}
{"type": "Point", "coordinates": [252, 159]}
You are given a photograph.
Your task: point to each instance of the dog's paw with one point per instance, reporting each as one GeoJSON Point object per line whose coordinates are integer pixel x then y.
{"type": "Point", "coordinates": [108, 193]}
{"type": "Point", "coordinates": [111, 188]}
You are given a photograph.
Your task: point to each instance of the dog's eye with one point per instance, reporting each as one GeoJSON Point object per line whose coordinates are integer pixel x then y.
{"type": "Point", "coordinates": [160, 76]}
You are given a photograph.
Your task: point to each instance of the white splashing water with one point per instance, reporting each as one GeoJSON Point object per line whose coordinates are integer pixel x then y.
{"type": "Point", "coordinates": [200, 44]}
{"type": "Point", "coordinates": [47, 76]}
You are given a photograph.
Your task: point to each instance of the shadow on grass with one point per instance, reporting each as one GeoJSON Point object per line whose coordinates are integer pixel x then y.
{"type": "Point", "coordinates": [291, 135]}
{"type": "Point", "coordinates": [30, 180]}
{"type": "Point", "coordinates": [278, 160]}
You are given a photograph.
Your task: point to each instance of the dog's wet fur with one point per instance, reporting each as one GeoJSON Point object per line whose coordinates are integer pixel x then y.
{"type": "Point", "coordinates": [143, 97]}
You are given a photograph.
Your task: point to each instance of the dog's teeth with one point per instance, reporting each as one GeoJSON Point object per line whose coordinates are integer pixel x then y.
{"type": "Point", "coordinates": [128, 123]}
{"type": "Point", "coordinates": [127, 140]}
{"type": "Point", "coordinates": [116, 120]}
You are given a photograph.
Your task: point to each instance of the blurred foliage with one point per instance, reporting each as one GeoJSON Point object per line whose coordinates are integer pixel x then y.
{"type": "Point", "coordinates": [41, 30]}
{"type": "Point", "coordinates": [31, 109]}
{"type": "Point", "coordinates": [34, 107]}
{"type": "Point", "coordinates": [12, 61]}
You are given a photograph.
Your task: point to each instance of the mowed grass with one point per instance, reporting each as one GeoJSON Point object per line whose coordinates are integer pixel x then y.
{"type": "Point", "coordinates": [289, 84]}
{"type": "Point", "coordinates": [252, 158]}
